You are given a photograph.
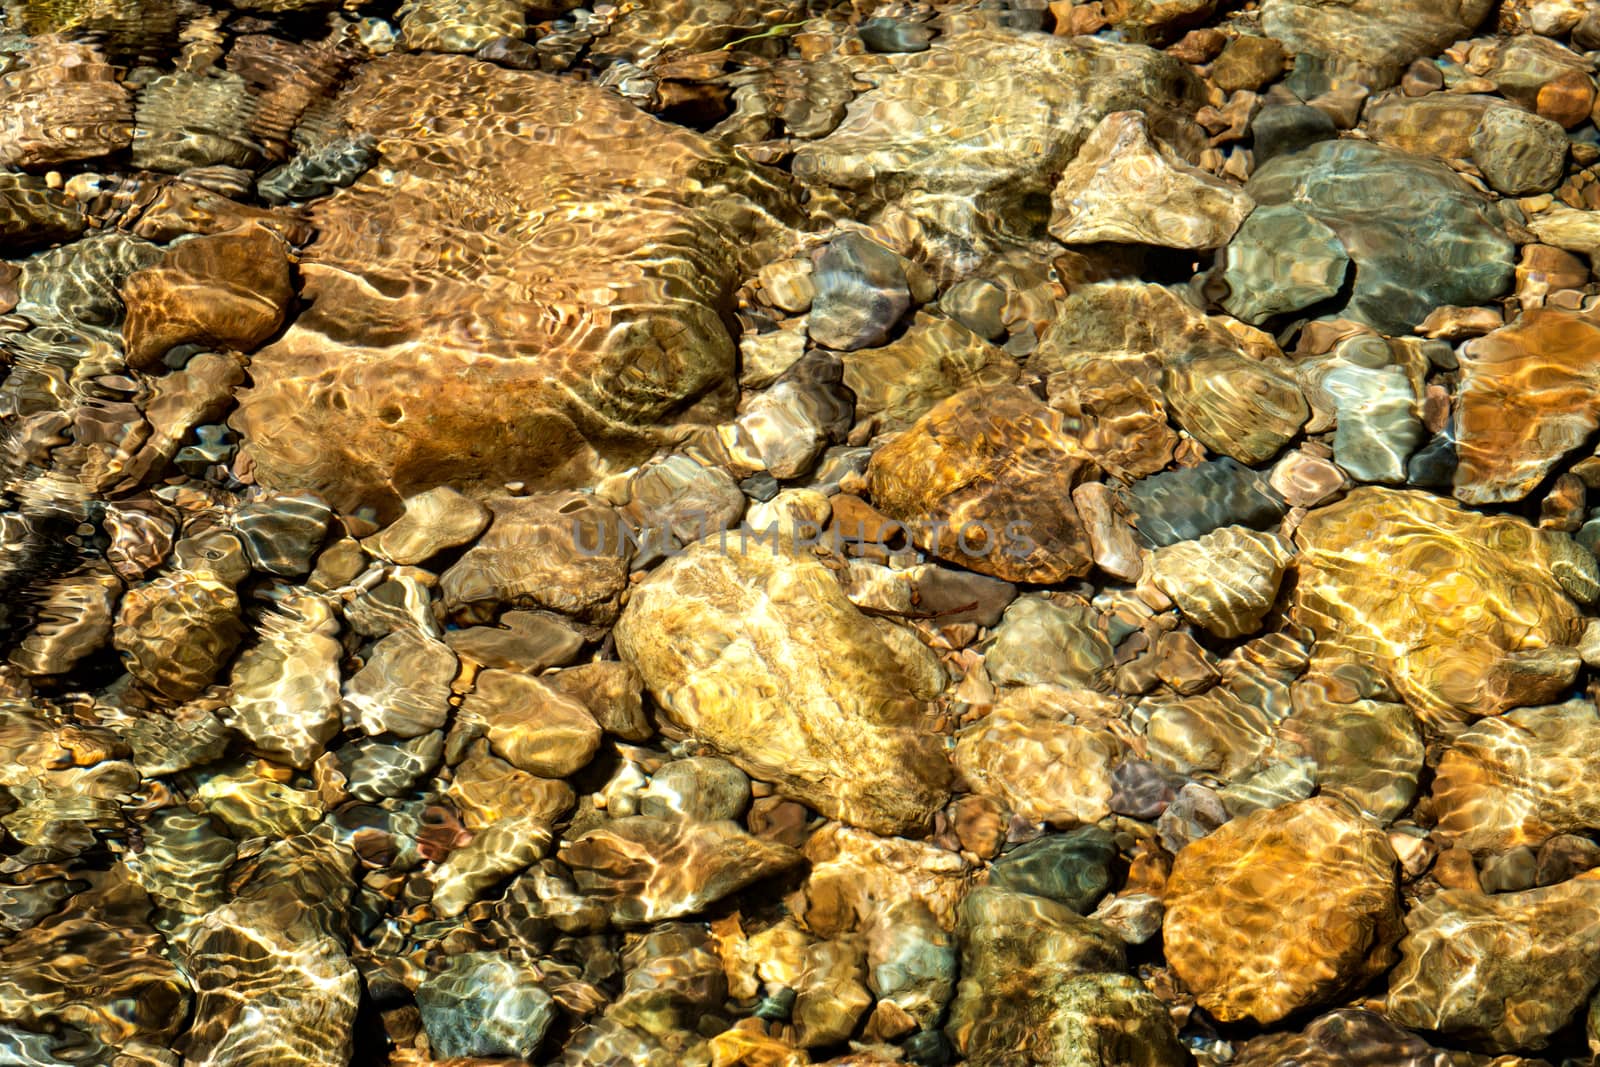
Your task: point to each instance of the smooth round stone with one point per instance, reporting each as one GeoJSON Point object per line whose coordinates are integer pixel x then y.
{"type": "Point", "coordinates": [861, 293]}
{"type": "Point", "coordinates": [894, 35]}
{"type": "Point", "coordinates": [1075, 868]}
{"type": "Point", "coordinates": [1282, 260]}
{"type": "Point", "coordinates": [1139, 790]}
{"type": "Point", "coordinates": [482, 1004]}
{"type": "Point", "coordinates": [1520, 154]}
{"type": "Point", "coordinates": [979, 305]}
{"type": "Point", "coordinates": [704, 788]}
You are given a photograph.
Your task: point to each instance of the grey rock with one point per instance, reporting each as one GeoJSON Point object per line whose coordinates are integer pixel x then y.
{"type": "Point", "coordinates": [483, 1004]}
{"type": "Point", "coordinates": [861, 293]}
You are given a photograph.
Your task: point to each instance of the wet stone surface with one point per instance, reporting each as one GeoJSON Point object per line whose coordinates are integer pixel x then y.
{"type": "Point", "coordinates": [758, 533]}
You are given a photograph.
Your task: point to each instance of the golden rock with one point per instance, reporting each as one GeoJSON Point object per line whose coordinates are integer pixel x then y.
{"type": "Point", "coordinates": [761, 655]}
{"type": "Point", "coordinates": [985, 480]}
{"type": "Point", "coordinates": [1465, 615]}
{"type": "Point", "coordinates": [1282, 909]}
{"type": "Point", "coordinates": [1227, 580]}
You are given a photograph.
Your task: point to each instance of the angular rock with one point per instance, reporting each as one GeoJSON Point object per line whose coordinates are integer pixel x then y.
{"type": "Point", "coordinates": [1282, 910]}
{"type": "Point", "coordinates": [1367, 751]}
{"type": "Point", "coordinates": [760, 655]}
{"type": "Point", "coordinates": [1348, 1037]}
{"type": "Point", "coordinates": [861, 292]}
{"type": "Point", "coordinates": [1519, 779]}
{"type": "Point", "coordinates": [282, 533]}
{"type": "Point", "coordinates": [62, 103]}
{"type": "Point", "coordinates": [949, 169]}
{"type": "Point", "coordinates": [430, 355]}
{"type": "Point", "coordinates": [285, 688]}
{"type": "Point", "coordinates": [1393, 213]}
{"type": "Point", "coordinates": [1183, 505]}
{"type": "Point", "coordinates": [1226, 581]}
{"type": "Point", "coordinates": [270, 968]}
{"type": "Point", "coordinates": [560, 551]}
{"type": "Point", "coordinates": [1373, 40]}
{"type": "Point", "coordinates": [1531, 956]}
{"type": "Point", "coordinates": [984, 480]}
{"type": "Point", "coordinates": [1075, 868]}
{"type": "Point", "coordinates": [1383, 580]}
{"type": "Point", "coordinates": [1124, 187]}
{"type": "Point", "coordinates": [1282, 260]}
{"type": "Point", "coordinates": [646, 869]}
{"type": "Point", "coordinates": [1244, 408]}
{"type": "Point", "coordinates": [1019, 954]}
{"type": "Point", "coordinates": [228, 291]}
{"type": "Point", "coordinates": [1046, 642]}
{"type": "Point", "coordinates": [934, 359]}
{"type": "Point", "coordinates": [1527, 398]}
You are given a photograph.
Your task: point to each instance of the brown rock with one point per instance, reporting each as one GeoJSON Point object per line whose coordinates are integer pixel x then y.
{"type": "Point", "coordinates": [1463, 614]}
{"type": "Point", "coordinates": [1567, 99]}
{"type": "Point", "coordinates": [228, 291]}
{"type": "Point", "coordinates": [614, 694]}
{"type": "Point", "coordinates": [760, 655]}
{"type": "Point", "coordinates": [1527, 397]}
{"type": "Point", "coordinates": [531, 725]}
{"type": "Point", "coordinates": [63, 103]}
{"type": "Point", "coordinates": [1531, 956]}
{"type": "Point", "coordinates": [985, 480]}
{"type": "Point", "coordinates": [1030, 756]}
{"type": "Point", "coordinates": [647, 869]}
{"type": "Point", "coordinates": [1226, 581]}
{"type": "Point", "coordinates": [1121, 419]}
{"type": "Point", "coordinates": [1124, 187]}
{"type": "Point", "coordinates": [1282, 910]}
{"type": "Point", "coordinates": [1248, 63]}
{"type": "Point", "coordinates": [1156, 20]}
{"type": "Point", "coordinates": [1543, 269]}
{"type": "Point", "coordinates": [1520, 779]}
{"type": "Point", "coordinates": [933, 359]}
{"type": "Point", "coordinates": [438, 519]}
{"type": "Point", "coordinates": [480, 335]}
{"type": "Point", "coordinates": [560, 551]}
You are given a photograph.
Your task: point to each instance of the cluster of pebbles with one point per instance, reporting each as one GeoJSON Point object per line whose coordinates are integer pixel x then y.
{"type": "Point", "coordinates": [750, 533]}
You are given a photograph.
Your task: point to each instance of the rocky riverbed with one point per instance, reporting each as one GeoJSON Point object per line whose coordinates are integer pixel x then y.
{"type": "Point", "coordinates": [754, 533]}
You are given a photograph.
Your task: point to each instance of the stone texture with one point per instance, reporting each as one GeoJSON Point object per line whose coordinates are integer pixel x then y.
{"type": "Point", "coordinates": [1124, 187]}
{"type": "Point", "coordinates": [1027, 754]}
{"type": "Point", "coordinates": [934, 359]}
{"type": "Point", "coordinates": [1393, 213]}
{"type": "Point", "coordinates": [1282, 910]}
{"type": "Point", "coordinates": [532, 726]}
{"type": "Point", "coordinates": [227, 291]}
{"type": "Point", "coordinates": [1526, 399]}
{"type": "Point", "coordinates": [1283, 260]}
{"type": "Point", "coordinates": [995, 469]}
{"type": "Point", "coordinates": [998, 113]}
{"type": "Point", "coordinates": [62, 103]}
{"type": "Point", "coordinates": [1226, 581]}
{"type": "Point", "coordinates": [1373, 39]}
{"type": "Point", "coordinates": [560, 551]}
{"type": "Point", "coordinates": [1019, 954]}
{"type": "Point", "coordinates": [1348, 1037]}
{"type": "Point", "coordinates": [1519, 779]}
{"type": "Point", "coordinates": [760, 655]}
{"type": "Point", "coordinates": [435, 520]}
{"type": "Point", "coordinates": [647, 869]}
{"type": "Point", "coordinates": [1367, 751]}
{"type": "Point", "coordinates": [1463, 614]}
{"type": "Point", "coordinates": [1531, 956]}
{"type": "Point", "coordinates": [412, 366]}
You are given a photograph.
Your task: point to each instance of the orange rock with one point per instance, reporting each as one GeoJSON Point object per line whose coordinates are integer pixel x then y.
{"type": "Point", "coordinates": [985, 480]}
{"type": "Point", "coordinates": [1566, 99]}
{"type": "Point", "coordinates": [1527, 397]}
{"type": "Point", "coordinates": [227, 291]}
{"type": "Point", "coordinates": [1282, 909]}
